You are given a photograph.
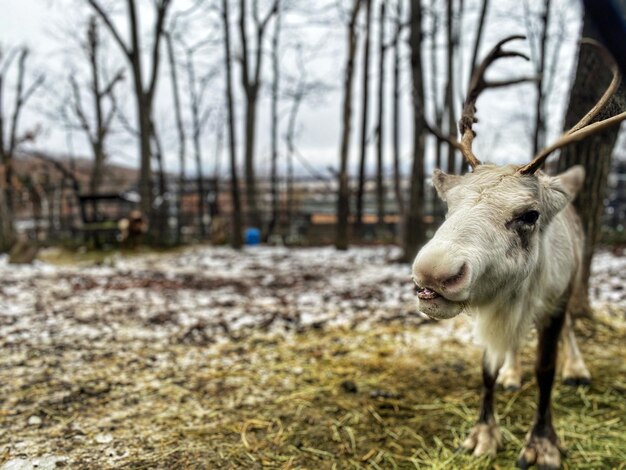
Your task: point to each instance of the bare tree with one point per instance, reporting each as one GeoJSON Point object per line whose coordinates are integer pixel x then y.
{"type": "Point", "coordinates": [479, 34]}
{"type": "Point", "coordinates": [593, 153]}
{"type": "Point", "coordinates": [364, 116]}
{"type": "Point", "coordinates": [161, 204]}
{"type": "Point", "coordinates": [274, 117]}
{"type": "Point", "coordinates": [438, 105]}
{"type": "Point", "coordinates": [144, 93]}
{"type": "Point", "coordinates": [451, 81]}
{"type": "Point", "coordinates": [343, 196]}
{"type": "Point", "coordinates": [414, 232]}
{"type": "Point", "coordinates": [198, 87]}
{"type": "Point", "coordinates": [95, 123]}
{"type": "Point", "coordinates": [236, 239]}
{"type": "Point", "coordinates": [251, 82]}
{"type": "Point", "coordinates": [540, 124]}
{"type": "Point", "coordinates": [380, 188]}
{"type": "Point", "coordinates": [397, 180]}
{"type": "Point", "coordinates": [15, 136]}
{"type": "Point", "coordinates": [301, 88]}
{"type": "Point", "coordinates": [182, 138]}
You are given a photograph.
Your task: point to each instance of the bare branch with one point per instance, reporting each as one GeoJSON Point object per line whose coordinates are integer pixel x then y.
{"type": "Point", "coordinates": [108, 90]}
{"type": "Point", "coordinates": [156, 56]}
{"type": "Point", "coordinates": [78, 107]}
{"type": "Point", "coordinates": [111, 27]}
{"type": "Point", "coordinates": [21, 97]}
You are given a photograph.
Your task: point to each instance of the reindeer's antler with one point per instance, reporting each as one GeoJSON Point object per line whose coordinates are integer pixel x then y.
{"type": "Point", "coordinates": [583, 129]}
{"type": "Point", "coordinates": [478, 84]}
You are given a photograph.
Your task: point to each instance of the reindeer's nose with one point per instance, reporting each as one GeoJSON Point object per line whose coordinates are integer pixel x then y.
{"type": "Point", "coordinates": [439, 269]}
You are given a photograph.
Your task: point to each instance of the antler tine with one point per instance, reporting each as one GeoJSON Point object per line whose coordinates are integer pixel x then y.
{"type": "Point", "coordinates": [478, 84]}
{"type": "Point", "coordinates": [582, 129]}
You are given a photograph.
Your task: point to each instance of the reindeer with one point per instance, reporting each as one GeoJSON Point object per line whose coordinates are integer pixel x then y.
{"type": "Point", "coordinates": [509, 253]}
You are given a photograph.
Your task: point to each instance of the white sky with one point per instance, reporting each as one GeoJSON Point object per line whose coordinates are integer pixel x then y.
{"type": "Point", "coordinates": [505, 115]}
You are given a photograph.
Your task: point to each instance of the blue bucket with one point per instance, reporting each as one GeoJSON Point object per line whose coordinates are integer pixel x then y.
{"type": "Point", "coordinates": [252, 236]}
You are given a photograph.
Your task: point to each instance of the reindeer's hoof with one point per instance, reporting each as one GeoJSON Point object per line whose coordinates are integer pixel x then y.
{"type": "Point", "coordinates": [510, 380]}
{"type": "Point", "coordinates": [575, 374]}
{"type": "Point", "coordinates": [540, 451]}
{"type": "Point", "coordinates": [577, 381]}
{"type": "Point", "coordinates": [483, 439]}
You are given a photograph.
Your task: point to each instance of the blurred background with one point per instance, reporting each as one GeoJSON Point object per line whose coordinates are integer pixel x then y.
{"type": "Point", "coordinates": [104, 112]}
{"type": "Point", "coordinates": [207, 211]}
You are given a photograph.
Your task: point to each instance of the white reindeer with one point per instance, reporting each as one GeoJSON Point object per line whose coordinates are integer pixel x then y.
{"type": "Point", "coordinates": [509, 253]}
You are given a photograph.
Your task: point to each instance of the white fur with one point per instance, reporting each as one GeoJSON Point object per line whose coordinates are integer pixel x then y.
{"type": "Point", "coordinates": [508, 289]}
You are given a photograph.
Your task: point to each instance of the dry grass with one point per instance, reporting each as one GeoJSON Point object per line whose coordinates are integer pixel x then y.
{"type": "Point", "coordinates": [334, 398]}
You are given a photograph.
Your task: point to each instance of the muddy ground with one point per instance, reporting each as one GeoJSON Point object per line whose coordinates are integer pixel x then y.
{"type": "Point", "coordinates": [208, 358]}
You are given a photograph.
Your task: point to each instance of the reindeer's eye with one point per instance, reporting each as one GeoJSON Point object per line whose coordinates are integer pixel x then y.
{"type": "Point", "coordinates": [529, 218]}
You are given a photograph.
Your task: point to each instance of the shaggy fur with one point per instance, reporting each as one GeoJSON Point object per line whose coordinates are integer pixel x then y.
{"type": "Point", "coordinates": [509, 254]}
{"type": "Point", "coordinates": [517, 274]}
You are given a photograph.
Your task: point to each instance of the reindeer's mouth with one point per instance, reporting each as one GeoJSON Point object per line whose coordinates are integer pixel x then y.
{"type": "Point", "coordinates": [424, 293]}
{"type": "Point", "coordinates": [435, 305]}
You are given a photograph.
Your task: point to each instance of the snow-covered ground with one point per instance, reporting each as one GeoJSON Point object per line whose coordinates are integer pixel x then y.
{"type": "Point", "coordinates": [80, 341]}
{"type": "Point", "coordinates": [206, 295]}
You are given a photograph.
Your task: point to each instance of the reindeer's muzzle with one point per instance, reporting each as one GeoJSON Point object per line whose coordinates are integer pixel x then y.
{"type": "Point", "coordinates": [442, 282]}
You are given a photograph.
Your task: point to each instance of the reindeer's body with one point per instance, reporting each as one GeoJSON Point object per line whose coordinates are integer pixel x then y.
{"type": "Point", "coordinates": [554, 273]}
{"type": "Point", "coordinates": [509, 270]}
{"type": "Point", "coordinates": [509, 252]}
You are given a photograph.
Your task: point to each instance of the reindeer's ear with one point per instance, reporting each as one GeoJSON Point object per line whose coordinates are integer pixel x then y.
{"type": "Point", "coordinates": [561, 189]}
{"type": "Point", "coordinates": [572, 180]}
{"type": "Point", "coordinates": [443, 182]}
{"type": "Point", "coordinates": [555, 196]}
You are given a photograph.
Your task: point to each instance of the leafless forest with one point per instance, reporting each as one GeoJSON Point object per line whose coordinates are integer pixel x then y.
{"type": "Point", "coordinates": [208, 211]}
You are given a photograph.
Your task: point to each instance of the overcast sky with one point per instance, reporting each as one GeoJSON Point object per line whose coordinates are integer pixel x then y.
{"type": "Point", "coordinates": [505, 115]}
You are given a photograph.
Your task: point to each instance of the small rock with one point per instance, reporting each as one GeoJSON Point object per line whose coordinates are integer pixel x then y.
{"type": "Point", "coordinates": [34, 420]}
{"type": "Point", "coordinates": [349, 386]}
{"type": "Point", "coordinates": [385, 394]}
{"type": "Point", "coordinates": [46, 462]}
{"type": "Point", "coordinates": [103, 438]}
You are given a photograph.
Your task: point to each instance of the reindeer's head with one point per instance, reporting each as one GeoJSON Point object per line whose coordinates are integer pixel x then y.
{"type": "Point", "coordinates": [497, 216]}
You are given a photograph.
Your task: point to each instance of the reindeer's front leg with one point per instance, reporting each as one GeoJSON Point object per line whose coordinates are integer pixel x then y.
{"type": "Point", "coordinates": [510, 375]}
{"type": "Point", "coordinates": [485, 438]}
{"type": "Point", "coordinates": [542, 443]}
{"type": "Point", "coordinates": [575, 371]}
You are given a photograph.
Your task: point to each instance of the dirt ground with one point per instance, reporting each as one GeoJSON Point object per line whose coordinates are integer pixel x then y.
{"type": "Point", "coordinates": [209, 358]}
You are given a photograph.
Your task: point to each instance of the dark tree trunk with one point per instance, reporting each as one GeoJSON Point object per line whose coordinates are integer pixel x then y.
{"type": "Point", "coordinates": [539, 130]}
{"type": "Point", "coordinates": [254, 217]}
{"type": "Point", "coordinates": [478, 38]}
{"type": "Point", "coordinates": [450, 84]}
{"type": "Point", "coordinates": [162, 214]}
{"type": "Point", "coordinates": [237, 235]}
{"type": "Point", "coordinates": [343, 196]}
{"type": "Point", "coordinates": [7, 229]}
{"type": "Point", "coordinates": [274, 119]}
{"type": "Point", "coordinates": [291, 150]}
{"type": "Point", "coordinates": [414, 232]}
{"type": "Point", "coordinates": [7, 150]}
{"type": "Point", "coordinates": [201, 192]}
{"type": "Point", "coordinates": [144, 94]}
{"type": "Point", "coordinates": [380, 188]}
{"type": "Point", "coordinates": [477, 41]}
{"type": "Point", "coordinates": [438, 109]}
{"type": "Point", "coordinates": [594, 153]}
{"type": "Point", "coordinates": [397, 179]}
{"type": "Point", "coordinates": [98, 141]}
{"type": "Point", "coordinates": [364, 118]}
{"type": "Point", "coordinates": [251, 83]}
